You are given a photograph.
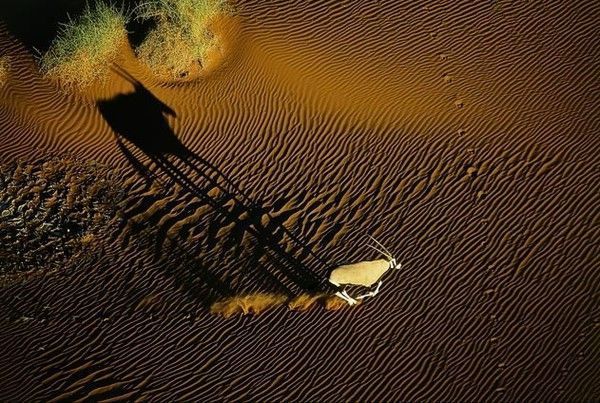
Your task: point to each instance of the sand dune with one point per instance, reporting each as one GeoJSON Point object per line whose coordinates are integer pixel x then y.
{"type": "Point", "coordinates": [463, 136]}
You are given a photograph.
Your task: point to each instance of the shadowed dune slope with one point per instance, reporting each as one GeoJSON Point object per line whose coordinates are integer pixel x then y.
{"type": "Point", "coordinates": [462, 135]}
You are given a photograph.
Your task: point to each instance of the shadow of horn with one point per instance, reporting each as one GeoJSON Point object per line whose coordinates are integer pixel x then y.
{"type": "Point", "coordinates": [125, 74]}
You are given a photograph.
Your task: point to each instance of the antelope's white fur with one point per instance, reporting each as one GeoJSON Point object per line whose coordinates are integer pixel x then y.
{"type": "Point", "coordinates": [365, 273]}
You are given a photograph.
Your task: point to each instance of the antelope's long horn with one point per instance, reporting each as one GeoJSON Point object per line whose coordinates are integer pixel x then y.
{"type": "Point", "coordinates": [381, 246]}
{"type": "Point", "coordinates": [383, 253]}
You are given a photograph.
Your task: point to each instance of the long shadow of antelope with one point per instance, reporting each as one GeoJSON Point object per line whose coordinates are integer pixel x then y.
{"type": "Point", "coordinates": [138, 119]}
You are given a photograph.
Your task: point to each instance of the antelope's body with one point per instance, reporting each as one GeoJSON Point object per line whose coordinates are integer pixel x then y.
{"type": "Point", "coordinates": [365, 273]}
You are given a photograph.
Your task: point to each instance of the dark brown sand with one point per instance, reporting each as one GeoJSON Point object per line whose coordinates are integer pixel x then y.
{"type": "Point", "coordinates": [462, 135]}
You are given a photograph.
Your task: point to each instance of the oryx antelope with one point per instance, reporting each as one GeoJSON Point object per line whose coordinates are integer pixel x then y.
{"type": "Point", "coordinates": [366, 274]}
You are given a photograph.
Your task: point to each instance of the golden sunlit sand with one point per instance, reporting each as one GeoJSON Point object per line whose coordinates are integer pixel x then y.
{"type": "Point", "coordinates": [188, 188]}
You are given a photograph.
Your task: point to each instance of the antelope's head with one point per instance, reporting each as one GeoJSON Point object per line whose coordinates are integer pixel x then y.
{"type": "Point", "coordinates": [391, 259]}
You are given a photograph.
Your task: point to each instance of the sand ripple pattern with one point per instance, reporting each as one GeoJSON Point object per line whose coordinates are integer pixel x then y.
{"type": "Point", "coordinates": [461, 135]}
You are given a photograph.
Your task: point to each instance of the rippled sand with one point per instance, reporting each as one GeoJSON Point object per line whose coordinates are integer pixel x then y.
{"type": "Point", "coordinates": [463, 136]}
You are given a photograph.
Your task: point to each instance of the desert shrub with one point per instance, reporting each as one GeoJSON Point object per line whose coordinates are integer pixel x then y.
{"type": "Point", "coordinates": [181, 36]}
{"type": "Point", "coordinates": [4, 67]}
{"type": "Point", "coordinates": [84, 48]}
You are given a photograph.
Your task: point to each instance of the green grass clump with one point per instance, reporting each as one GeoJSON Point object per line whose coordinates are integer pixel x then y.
{"type": "Point", "coordinates": [84, 49]}
{"type": "Point", "coordinates": [181, 36]}
{"type": "Point", "coordinates": [4, 67]}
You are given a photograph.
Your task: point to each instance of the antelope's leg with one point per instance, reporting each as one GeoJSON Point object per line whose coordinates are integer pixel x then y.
{"type": "Point", "coordinates": [343, 294]}
{"type": "Point", "coordinates": [349, 297]}
{"type": "Point", "coordinates": [337, 285]}
{"type": "Point", "coordinates": [346, 298]}
{"type": "Point", "coordinates": [371, 293]}
{"type": "Point", "coordinates": [378, 287]}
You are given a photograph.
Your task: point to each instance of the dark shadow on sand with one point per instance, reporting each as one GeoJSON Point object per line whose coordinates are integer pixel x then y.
{"type": "Point", "coordinates": [139, 120]}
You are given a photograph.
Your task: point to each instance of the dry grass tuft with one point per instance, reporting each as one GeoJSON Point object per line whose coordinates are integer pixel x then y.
{"type": "Point", "coordinates": [247, 304]}
{"type": "Point", "coordinates": [87, 240]}
{"type": "Point", "coordinates": [82, 52]}
{"type": "Point", "coordinates": [4, 68]}
{"type": "Point", "coordinates": [182, 36]}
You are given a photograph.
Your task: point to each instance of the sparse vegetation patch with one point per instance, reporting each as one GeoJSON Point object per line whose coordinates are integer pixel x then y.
{"type": "Point", "coordinates": [84, 48]}
{"type": "Point", "coordinates": [50, 210]}
{"type": "Point", "coordinates": [181, 38]}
